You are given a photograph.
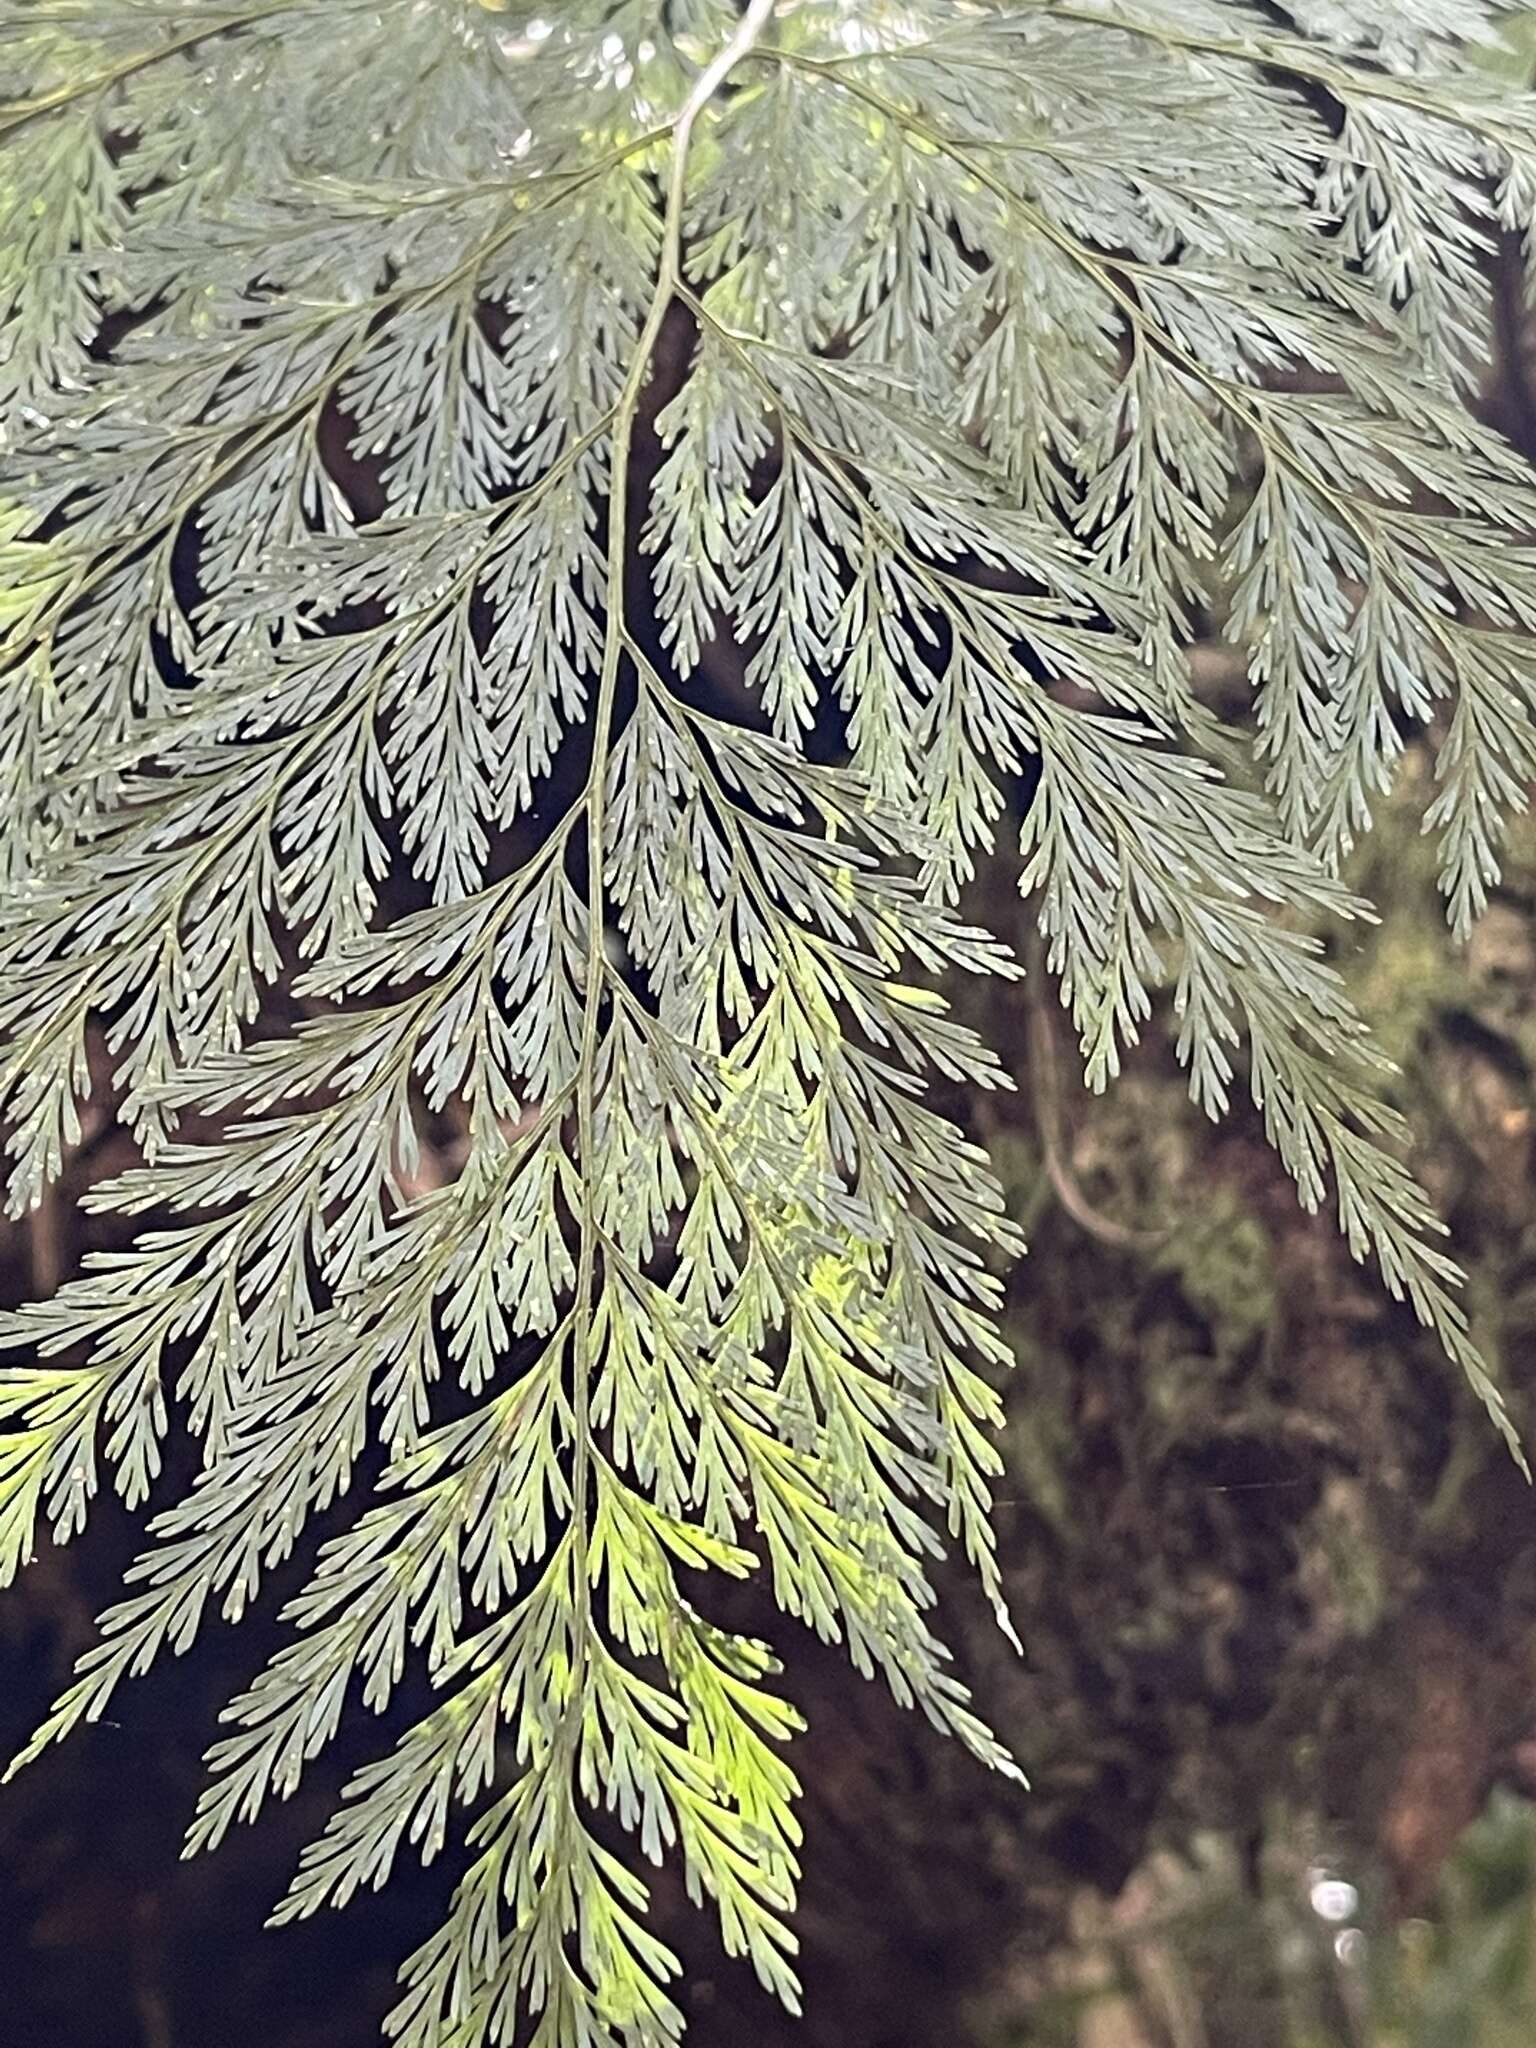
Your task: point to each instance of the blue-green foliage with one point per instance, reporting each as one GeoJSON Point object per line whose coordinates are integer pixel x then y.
{"type": "Point", "coordinates": [1015, 346]}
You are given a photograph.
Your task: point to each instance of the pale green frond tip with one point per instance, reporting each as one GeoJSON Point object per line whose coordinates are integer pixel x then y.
{"type": "Point", "coordinates": [529, 580]}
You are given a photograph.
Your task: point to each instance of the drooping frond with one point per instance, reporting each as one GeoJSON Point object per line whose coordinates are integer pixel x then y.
{"type": "Point", "coordinates": [535, 556]}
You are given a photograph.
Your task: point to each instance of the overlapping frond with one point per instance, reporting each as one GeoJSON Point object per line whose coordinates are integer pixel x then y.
{"type": "Point", "coordinates": [534, 557]}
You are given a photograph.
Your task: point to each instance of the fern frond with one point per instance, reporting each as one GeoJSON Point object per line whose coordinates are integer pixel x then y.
{"type": "Point", "coordinates": [535, 556]}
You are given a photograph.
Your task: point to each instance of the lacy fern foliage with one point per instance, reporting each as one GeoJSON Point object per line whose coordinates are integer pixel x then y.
{"type": "Point", "coordinates": [535, 555]}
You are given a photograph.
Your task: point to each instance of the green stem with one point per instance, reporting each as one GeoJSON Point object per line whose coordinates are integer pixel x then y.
{"type": "Point", "coordinates": [668, 280]}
